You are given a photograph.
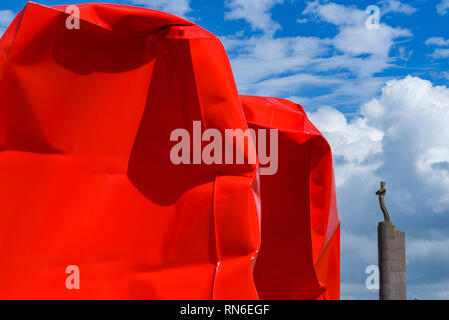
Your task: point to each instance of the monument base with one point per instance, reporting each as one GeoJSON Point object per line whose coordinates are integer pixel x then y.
{"type": "Point", "coordinates": [392, 267]}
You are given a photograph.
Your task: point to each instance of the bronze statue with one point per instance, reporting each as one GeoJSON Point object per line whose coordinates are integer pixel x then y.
{"type": "Point", "coordinates": [381, 193]}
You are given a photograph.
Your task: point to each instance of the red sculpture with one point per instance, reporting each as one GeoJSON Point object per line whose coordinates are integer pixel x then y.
{"type": "Point", "coordinates": [88, 185]}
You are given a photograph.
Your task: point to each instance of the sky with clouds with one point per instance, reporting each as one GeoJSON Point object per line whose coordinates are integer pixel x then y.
{"type": "Point", "coordinates": [379, 93]}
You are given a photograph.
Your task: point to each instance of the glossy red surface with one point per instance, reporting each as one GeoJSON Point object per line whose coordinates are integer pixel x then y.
{"type": "Point", "coordinates": [85, 123]}
{"type": "Point", "coordinates": [300, 248]}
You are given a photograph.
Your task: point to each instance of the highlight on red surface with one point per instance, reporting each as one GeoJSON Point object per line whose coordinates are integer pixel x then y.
{"type": "Point", "coordinates": [91, 207]}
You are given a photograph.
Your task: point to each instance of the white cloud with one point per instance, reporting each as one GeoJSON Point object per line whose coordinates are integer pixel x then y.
{"type": "Point", "coordinates": [404, 53]}
{"type": "Point", "coordinates": [437, 41]}
{"type": "Point", "coordinates": [443, 75]}
{"type": "Point", "coordinates": [359, 40]}
{"type": "Point", "coordinates": [255, 12]}
{"type": "Point", "coordinates": [443, 7]}
{"type": "Point", "coordinates": [396, 6]}
{"type": "Point", "coordinates": [282, 86]}
{"type": "Point", "coordinates": [410, 118]}
{"type": "Point", "coordinates": [260, 60]}
{"type": "Point", "coordinates": [176, 7]}
{"type": "Point", "coordinates": [340, 68]}
{"type": "Point", "coordinates": [428, 250]}
{"type": "Point", "coordinates": [440, 53]}
{"type": "Point", "coordinates": [354, 37]}
{"type": "Point", "coordinates": [414, 115]}
{"type": "Point", "coordinates": [6, 16]}
{"type": "Point", "coordinates": [302, 20]}
{"type": "Point", "coordinates": [335, 13]}
{"type": "Point", "coordinates": [358, 252]}
{"type": "Point", "coordinates": [433, 164]}
{"type": "Point", "coordinates": [354, 141]}
{"type": "Point", "coordinates": [361, 246]}
{"type": "Point", "coordinates": [400, 136]}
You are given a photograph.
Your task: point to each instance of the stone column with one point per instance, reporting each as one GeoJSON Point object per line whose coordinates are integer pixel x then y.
{"type": "Point", "coordinates": [392, 272]}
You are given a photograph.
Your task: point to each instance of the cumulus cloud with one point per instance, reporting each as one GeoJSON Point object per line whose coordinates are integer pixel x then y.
{"type": "Point", "coordinates": [255, 12]}
{"type": "Point", "coordinates": [414, 114]}
{"type": "Point", "coordinates": [353, 142]}
{"type": "Point", "coordinates": [176, 7]}
{"type": "Point", "coordinates": [401, 137]}
{"type": "Point", "coordinates": [443, 7]}
{"type": "Point", "coordinates": [6, 16]}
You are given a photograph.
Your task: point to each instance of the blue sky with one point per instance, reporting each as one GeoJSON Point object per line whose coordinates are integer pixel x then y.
{"type": "Point", "coordinates": [379, 96]}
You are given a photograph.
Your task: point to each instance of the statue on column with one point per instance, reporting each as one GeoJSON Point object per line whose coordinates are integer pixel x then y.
{"type": "Point", "coordinates": [381, 193]}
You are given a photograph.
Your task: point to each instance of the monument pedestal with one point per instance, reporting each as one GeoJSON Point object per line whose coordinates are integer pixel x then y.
{"type": "Point", "coordinates": [391, 246]}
